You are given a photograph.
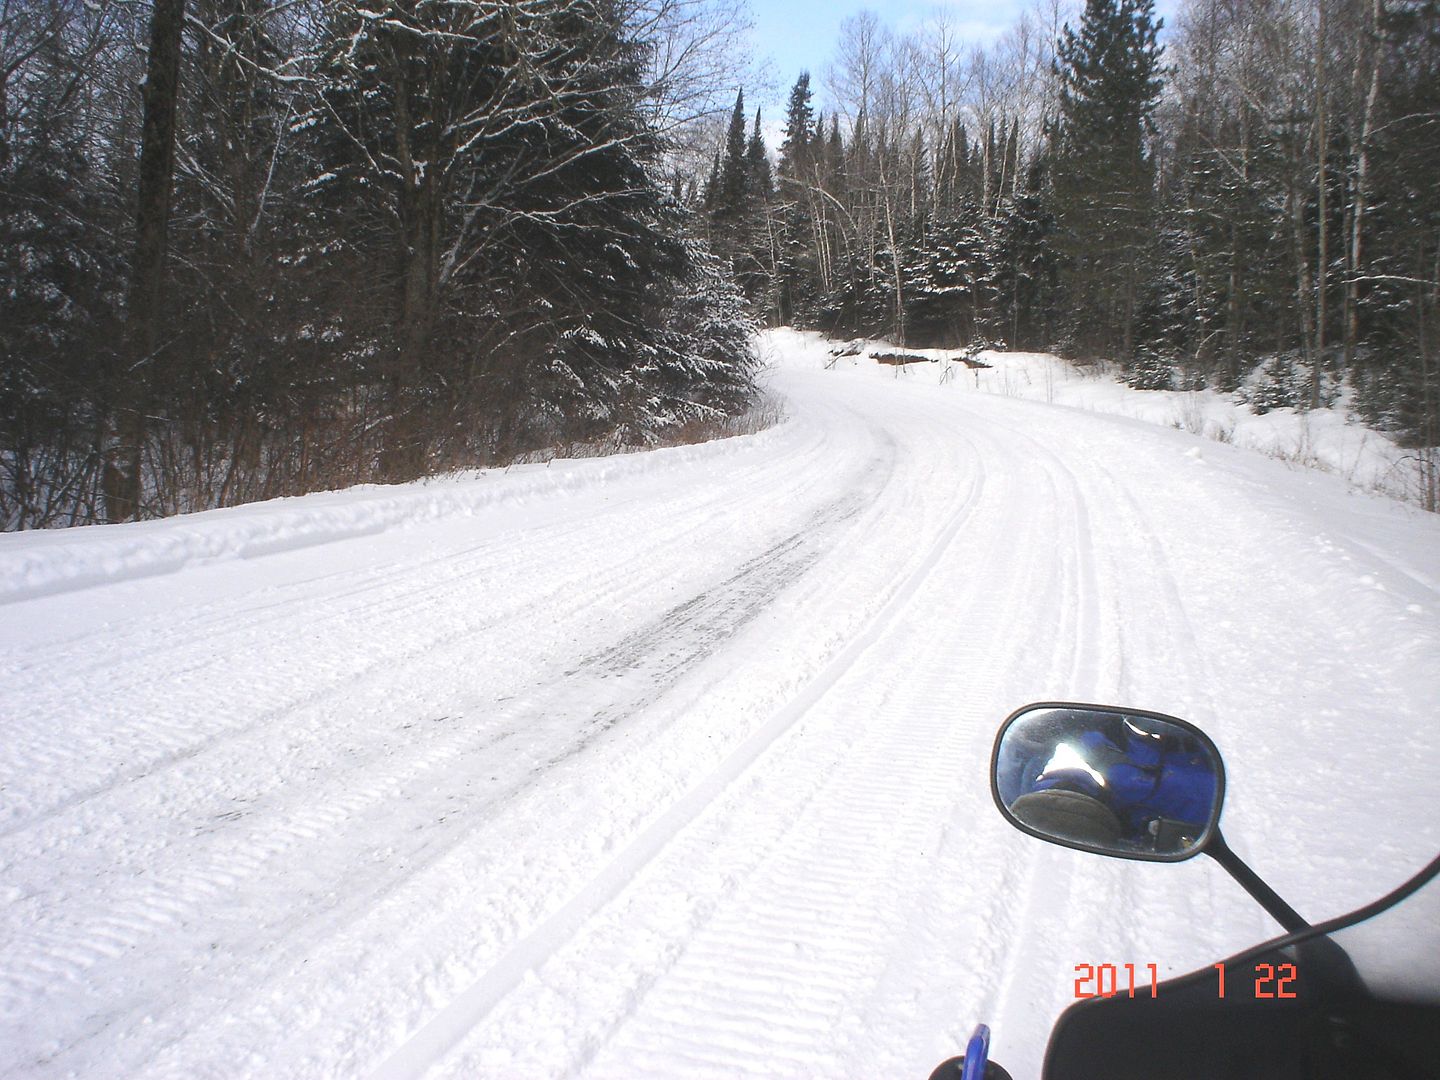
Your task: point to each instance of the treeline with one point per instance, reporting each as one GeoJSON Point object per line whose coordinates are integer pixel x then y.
{"type": "Point", "coordinates": [1261, 192]}
{"type": "Point", "coordinates": [340, 240]}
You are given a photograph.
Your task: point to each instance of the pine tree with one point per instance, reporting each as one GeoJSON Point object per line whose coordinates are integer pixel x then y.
{"type": "Point", "coordinates": [800, 132]}
{"type": "Point", "coordinates": [515, 209]}
{"type": "Point", "coordinates": [741, 230]}
{"type": "Point", "coordinates": [950, 286]}
{"type": "Point", "coordinates": [800, 224]}
{"type": "Point", "coordinates": [710, 193]}
{"type": "Point", "coordinates": [759, 180]}
{"type": "Point", "coordinates": [1104, 181]}
{"type": "Point", "coordinates": [405, 92]}
{"type": "Point", "coordinates": [1025, 267]}
{"type": "Point", "coordinates": [239, 235]}
{"type": "Point", "coordinates": [1400, 306]}
{"type": "Point", "coordinates": [731, 201]}
{"type": "Point", "coordinates": [594, 242]}
{"type": "Point", "coordinates": [62, 268]}
{"type": "Point", "coordinates": [1223, 261]}
{"type": "Point", "coordinates": [704, 362]}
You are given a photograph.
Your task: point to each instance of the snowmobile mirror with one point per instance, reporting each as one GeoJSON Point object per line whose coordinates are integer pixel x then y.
{"type": "Point", "coordinates": [1114, 781]}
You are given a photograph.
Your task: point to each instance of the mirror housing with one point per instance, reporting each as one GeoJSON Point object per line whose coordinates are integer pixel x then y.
{"type": "Point", "coordinates": [1121, 782]}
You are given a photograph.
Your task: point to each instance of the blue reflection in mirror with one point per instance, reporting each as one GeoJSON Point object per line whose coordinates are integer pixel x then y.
{"type": "Point", "coordinates": [1114, 781]}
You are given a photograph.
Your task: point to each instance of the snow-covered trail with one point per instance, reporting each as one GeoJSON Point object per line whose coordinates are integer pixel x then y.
{"type": "Point", "coordinates": [676, 764]}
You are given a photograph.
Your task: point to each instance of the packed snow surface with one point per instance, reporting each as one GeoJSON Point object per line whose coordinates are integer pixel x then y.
{"type": "Point", "coordinates": [676, 763]}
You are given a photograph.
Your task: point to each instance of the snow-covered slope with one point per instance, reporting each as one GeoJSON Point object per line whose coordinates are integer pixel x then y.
{"type": "Point", "coordinates": [676, 763]}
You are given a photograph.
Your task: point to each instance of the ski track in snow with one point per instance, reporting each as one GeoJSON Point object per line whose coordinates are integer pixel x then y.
{"type": "Point", "coordinates": [677, 765]}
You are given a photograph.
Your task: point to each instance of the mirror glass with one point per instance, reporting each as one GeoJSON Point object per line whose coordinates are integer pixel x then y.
{"type": "Point", "coordinates": [1120, 782]}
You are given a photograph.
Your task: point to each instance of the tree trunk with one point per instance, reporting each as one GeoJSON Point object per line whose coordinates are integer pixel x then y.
{"type": "Point", "coordinates": [895, 266]}
{"type": "Point", "coordinates": [1303, 284]}
{"type": "Point", "coordinates": [402, 456]}
{"type": "Point", "coordinates": [1322, 261]}
{"type": "Point", "coordinates": [1362, 176]}
{"type": "Point", "coordinates": [122, 478]}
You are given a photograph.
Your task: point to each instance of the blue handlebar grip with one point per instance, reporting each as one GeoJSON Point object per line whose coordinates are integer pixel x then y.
{"type": "Point", "coordinates": [977, 1054]}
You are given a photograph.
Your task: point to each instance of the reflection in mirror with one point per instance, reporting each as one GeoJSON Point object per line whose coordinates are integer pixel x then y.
{"type": "Point", "coordinates": [1113, 781]}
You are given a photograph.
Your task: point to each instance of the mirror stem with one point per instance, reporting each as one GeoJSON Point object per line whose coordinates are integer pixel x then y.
{"type": "Point", "coordinates": [1267, 897]}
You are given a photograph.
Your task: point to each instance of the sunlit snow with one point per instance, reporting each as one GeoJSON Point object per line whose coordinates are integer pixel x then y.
{"type": "Point", "coordinates": [676, 763]}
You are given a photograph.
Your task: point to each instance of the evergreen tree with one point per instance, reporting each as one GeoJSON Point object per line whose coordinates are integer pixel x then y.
{"type": "Point", "coordinates": [405, 92]}
{"type": "Point", "coordinates": [62, 269]}
{"type": "Point", "coordinates": [1400, 306]}
{"type": "Point", "coordinates": [238, 234]}
{"type": "Point", "coordinates": [531, 277]}
{"type": "Point", "coordinates": [801, 222]}
{"type": "Point", "coordinates": [1223, 263]}
{"type": "Point", "coordinates": [731, 201]}
{"type": "Point", "coordinates": [704, 364]}
{"type": "Point", "coordinates": [742, 232]}
{"type": "Point", "coordinates": [710, 193]}
{"type": "Point", "coordinates": [800, 131]}
{"type": "Point", "coordinates": [757, 241]}
{"type": "Point", "coordinates": [1104, 179]}
{"type": "Point", "coordinates": [402, 236]}
{"type": "Point", "coordinates": [835, 148]}
{"type": "Point", "coordinates": [1025, 267]}
{"type": "Point", "coordinates": [759, 180]}
{"type": "Point", "coordinates": [593, 241]}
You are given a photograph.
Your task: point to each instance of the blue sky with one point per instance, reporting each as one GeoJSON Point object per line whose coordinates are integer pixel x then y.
{"type": "Point", "coordinates": [802, 34]}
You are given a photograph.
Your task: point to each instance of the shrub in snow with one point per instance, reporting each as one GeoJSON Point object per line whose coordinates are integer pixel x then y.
{"type": "Point", "coordinates": [1150, 371]}
{"type": "Point", "coordinates": [1393, 396]}
{"type": "Point", "coordinates": [1273, 385]}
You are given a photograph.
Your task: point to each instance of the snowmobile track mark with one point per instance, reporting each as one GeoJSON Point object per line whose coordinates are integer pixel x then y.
{"type": "Point", "coordinates": [447, 1028]}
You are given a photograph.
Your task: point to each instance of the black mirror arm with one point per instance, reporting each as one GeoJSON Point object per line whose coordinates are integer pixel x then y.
{"type": "Point", "coordinates": [1267, 897]}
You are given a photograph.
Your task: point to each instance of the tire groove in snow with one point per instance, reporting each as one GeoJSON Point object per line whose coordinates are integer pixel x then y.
{"type": "Point", "coordinates": [442, 1032]}
{"type": "Point", "coordinates": [179, 725]}
{"type": "Point", "coordinates": [178, 884]}
{"type": "Point", "coordinates": [62, 943]}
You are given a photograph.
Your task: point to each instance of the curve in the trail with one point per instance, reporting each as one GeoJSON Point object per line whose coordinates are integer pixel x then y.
{"type": "Point", "coordinates": [849, 903]}
{"type": "Point", "coordinates": [809, 877]}
{"type": "Point", "coordinates": [681, 772]}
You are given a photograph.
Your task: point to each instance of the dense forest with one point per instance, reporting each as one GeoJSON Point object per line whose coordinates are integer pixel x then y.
{"type": "Point", "coordinates": [1250, 202]}
{"type": "Point", "coordinates": [254, 248]}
